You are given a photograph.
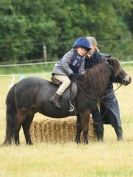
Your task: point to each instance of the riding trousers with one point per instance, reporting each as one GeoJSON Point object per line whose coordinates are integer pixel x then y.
{"type": "Point", "coordinates": [65, 83]}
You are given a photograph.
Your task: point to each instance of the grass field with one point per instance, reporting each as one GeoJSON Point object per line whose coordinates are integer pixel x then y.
{"type": "Point", "coordinates": [107, 159]}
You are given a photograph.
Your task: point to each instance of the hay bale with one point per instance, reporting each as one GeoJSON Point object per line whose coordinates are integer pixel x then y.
{"type": "Point", "coordinates": [56, 130]}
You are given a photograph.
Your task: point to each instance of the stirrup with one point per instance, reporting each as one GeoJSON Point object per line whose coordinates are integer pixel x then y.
{"type": "Point", "coordinates": [71, 107]}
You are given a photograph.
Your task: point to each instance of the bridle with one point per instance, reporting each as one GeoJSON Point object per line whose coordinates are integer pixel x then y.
{"type": "Point", "coordinates": [96, 98]}
{"type": "Point", "coordinates": [102, 97]}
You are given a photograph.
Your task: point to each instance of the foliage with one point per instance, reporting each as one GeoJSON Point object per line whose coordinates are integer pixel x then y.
{"type": "Point", "coordinates": [25, 26]}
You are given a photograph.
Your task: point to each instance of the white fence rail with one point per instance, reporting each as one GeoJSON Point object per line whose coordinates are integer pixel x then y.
{"type": "Point", "coordinates": [45, 63]}
{"type": "Point", "coordinates": [40, 63]}
{"type": "Point", "coordinates": [28, 64]}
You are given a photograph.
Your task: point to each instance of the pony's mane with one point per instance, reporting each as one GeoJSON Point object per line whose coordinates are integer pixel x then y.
{"type": "Point", "coordinates": [97, 78]}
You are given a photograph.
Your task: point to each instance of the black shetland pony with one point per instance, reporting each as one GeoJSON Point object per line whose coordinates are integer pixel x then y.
{"type": "Point", "coordinates": [31, 95]}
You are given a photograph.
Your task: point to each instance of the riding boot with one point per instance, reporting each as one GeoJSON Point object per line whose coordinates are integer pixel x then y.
{"type": "Point", "coordinates": [55, 100]}
{"type": "Point", "coordinates": [119, 133]}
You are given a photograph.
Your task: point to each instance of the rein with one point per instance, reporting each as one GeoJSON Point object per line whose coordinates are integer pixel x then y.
{"type": "Point", "coordinates": [96, 98]}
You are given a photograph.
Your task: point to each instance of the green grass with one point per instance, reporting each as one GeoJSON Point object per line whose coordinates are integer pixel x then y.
{"type": "Point", "coordinates": [27, 69]}
{"type": "Point", "coordinates": [107, 159]}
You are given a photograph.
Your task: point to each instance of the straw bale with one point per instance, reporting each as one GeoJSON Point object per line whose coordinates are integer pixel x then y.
{"type": "Point", "coordinates": [51, 130]}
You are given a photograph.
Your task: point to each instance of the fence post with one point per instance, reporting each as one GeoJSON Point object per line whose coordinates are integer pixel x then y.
{"type": "Point", "coordinates": [45, 53]}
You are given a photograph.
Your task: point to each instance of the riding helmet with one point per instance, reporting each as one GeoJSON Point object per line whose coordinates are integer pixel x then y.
{"type": "Point", "coordinates": [82, 42]}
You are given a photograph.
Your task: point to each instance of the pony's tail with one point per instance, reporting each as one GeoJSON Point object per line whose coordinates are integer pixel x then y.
{"type": "Point", "coordinates": [10, 117]}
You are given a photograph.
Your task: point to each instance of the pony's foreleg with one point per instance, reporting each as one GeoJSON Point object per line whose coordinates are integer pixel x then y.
{"type": "Point", "coordinates": [21, 115]}
{"type": "Point", "coordinates": [85, 125]}
{"type": "Point", "coordinates": [78, 130]}
{"type": "Point", "coordinates": [98, 124]}
{"type": "Point", "coordinates": [26, 128]}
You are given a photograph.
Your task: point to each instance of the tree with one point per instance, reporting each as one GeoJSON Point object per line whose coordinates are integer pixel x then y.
{"type": "Point", "coordinates": [25, 26]}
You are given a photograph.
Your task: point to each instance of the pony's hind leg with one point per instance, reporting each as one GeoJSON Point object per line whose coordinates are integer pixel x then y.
{"type": "Point", "coordinates": [21, 115]}
{"type": "Point", "coordinates": [26, 128]}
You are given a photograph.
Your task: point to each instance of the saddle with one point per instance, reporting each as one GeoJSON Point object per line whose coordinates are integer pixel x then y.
{"type": "Point", "coordinates": [55, 81]}
{"type": "Point", "coordinates": [70, 92]}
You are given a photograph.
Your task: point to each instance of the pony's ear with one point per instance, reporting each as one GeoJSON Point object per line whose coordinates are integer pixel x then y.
{"type": "Point", "coordinates": [110, 61]}
{"type": "Point", "coordinates": [115, 64]}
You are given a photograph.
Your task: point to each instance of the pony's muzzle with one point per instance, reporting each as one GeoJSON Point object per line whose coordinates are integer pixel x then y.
{"type": "Point", "coordinates": [127, 80]}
